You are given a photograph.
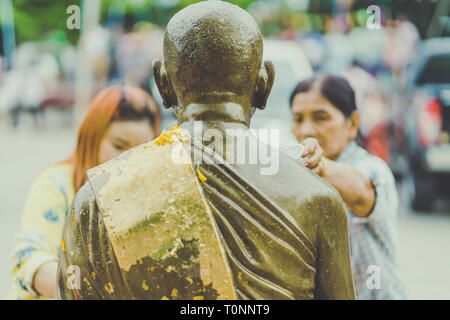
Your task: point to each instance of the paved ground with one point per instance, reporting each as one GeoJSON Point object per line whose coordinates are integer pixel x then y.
{"type": "Point", "coordinates": [424, 255]}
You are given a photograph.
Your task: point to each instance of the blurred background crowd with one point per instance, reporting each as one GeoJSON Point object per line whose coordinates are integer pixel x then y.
{"type": "Point", "coordinates": [395, 55]}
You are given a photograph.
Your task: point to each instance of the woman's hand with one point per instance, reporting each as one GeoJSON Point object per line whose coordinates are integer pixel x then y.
{"type": "Point", "coordinates": [355, 189]}
{"type": "Point", "coordinates": [313, 156]}
{"type": "Point", "coordinates": [45, 279]}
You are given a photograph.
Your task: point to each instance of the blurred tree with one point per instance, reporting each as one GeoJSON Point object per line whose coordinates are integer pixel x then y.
{"type": "Point", "coordinates": [35, 19]}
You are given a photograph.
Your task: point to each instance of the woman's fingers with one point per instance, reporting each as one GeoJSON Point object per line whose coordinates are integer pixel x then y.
{"type": "Point", "coordinates": [310, 145]}
{"type": "Point", "coordinates": [312, 154]}
{"type": "Point", "coordinates": [313, 160]}
{"type": "Point", "coordinates": [320, 168]}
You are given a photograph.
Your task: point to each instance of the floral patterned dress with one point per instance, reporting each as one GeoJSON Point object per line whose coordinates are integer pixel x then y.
{"type": "Point", "coordinates": [39, 238]}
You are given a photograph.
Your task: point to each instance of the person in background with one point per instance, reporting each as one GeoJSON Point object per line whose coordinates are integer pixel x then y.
{"type": "Point", "coordinates": [119, 118]}
{"type": "Point", "coordinates": [325, 120]}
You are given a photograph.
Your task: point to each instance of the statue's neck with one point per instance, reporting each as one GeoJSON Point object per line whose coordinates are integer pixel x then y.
{"type": "Point", "coordinates": [214, 122]}
{"type": "Point", "coordinates": [219, 116]}
{"type": "Point", "coordinates": [199, 129]}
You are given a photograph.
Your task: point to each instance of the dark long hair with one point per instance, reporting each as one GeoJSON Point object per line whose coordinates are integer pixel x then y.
{"type": "Point", "coordinates": [335, 89]}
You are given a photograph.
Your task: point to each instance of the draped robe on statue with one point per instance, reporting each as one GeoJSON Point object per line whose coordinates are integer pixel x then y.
{"type": "Point", "coordinates": [147, 227]}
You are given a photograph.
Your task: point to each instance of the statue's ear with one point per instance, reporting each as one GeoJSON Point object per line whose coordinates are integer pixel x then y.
{"type": "Point", "coordinates": [264, 84]}
{"type": "Point", "coordinates": [164, 84]}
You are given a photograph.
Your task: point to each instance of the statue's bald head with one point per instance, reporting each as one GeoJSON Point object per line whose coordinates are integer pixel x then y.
{"type": "Point", "coordinates": [213, 53]}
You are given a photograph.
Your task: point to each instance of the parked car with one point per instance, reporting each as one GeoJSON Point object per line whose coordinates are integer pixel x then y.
{"type": "Point", "coordinates": [427, 123]}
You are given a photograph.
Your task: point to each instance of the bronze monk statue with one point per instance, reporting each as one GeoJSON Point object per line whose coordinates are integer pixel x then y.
{"type": "Point", "coordinates": [149, 226]}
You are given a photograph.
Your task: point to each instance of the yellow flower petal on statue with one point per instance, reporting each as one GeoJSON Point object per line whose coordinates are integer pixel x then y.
{"type": "Point", "coordinates": [175, 128]}
{"type": "Point", "coordinates": [163, 138]}
{"type": "Point", "coordinates": [201, 176]}
{"type": "Point", "coordinates": [63, 245]}
{"type": "Point", "coordinates": [168, 138]}
{"type": "Point", "coordinates": [109, 287]}
{"type": "Point", "coordinates": [160, 139]}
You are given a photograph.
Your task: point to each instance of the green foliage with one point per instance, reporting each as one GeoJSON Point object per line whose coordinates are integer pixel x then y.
{"type": "Point", "coordinates": [241, 3]}
{"type": "Point", "coordinates": [38, 19]}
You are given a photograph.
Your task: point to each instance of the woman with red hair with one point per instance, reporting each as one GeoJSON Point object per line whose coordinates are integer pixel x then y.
{"type": "Point", "coordinates": [119, 118]}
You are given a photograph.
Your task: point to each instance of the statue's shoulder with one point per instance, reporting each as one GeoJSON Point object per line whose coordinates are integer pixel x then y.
{"type": "Point", "coordinates": [100, 175]}
{"type": "Point", "coordinates": [140, 180]}
{"type": "Point", "coordinates": [303, 183]}
{"type": "Point", "coordinates": [135, 164]}
{"type": "Point", "coordinates": [309, 196]}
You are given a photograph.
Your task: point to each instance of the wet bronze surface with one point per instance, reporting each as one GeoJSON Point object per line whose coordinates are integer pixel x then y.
{"type": "Point", "coordinates": [213, 53]}
{"type": "Point", "coordinates": [282, 236]}
{"type": "Point", "coordinates": [157, 228]}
